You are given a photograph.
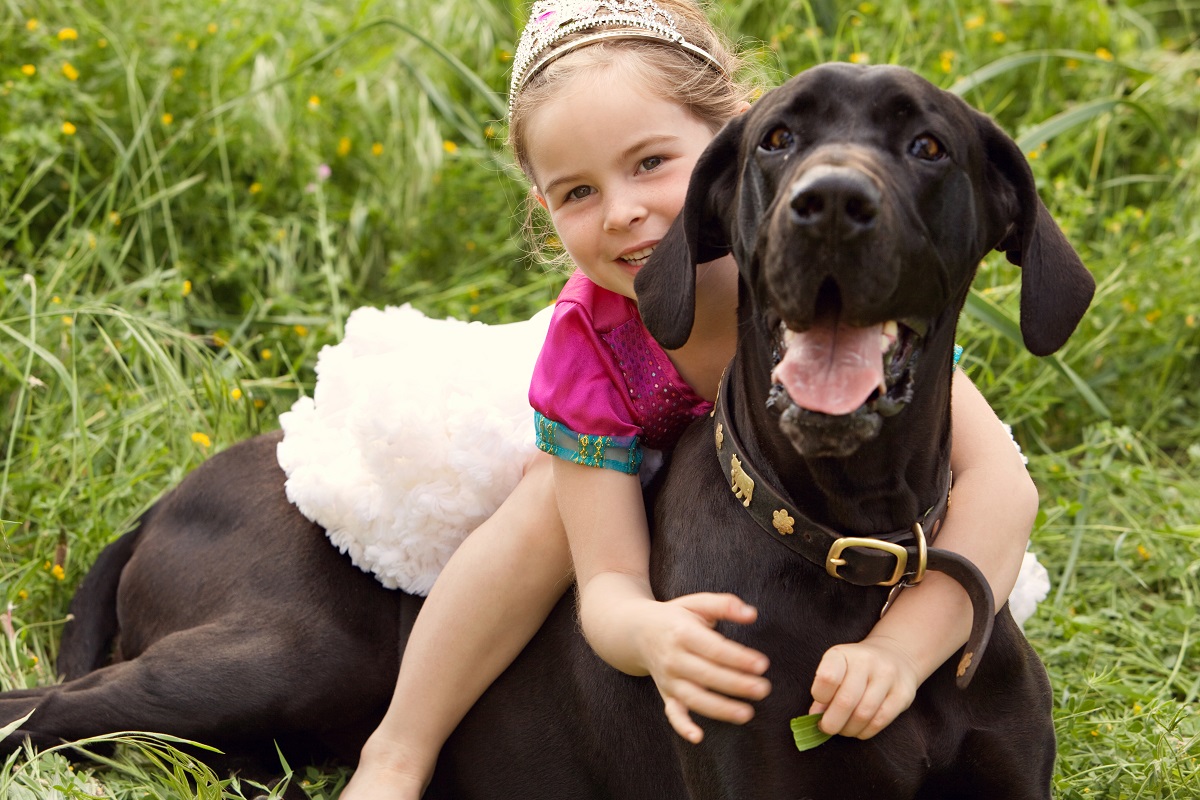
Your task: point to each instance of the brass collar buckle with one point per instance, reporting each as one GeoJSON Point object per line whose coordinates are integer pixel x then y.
{"type": "Point", "coordinates": [834, 558]}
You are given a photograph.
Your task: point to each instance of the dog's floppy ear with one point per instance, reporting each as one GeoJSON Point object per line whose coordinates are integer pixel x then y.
{"type": "Point", "coordinates": [1056, 288]}
{"type": "Point", "coordinates": [666, 286]}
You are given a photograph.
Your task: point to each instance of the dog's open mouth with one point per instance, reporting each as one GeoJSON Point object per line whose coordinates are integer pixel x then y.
{"type": "Point", "coordinates": [837, 370]}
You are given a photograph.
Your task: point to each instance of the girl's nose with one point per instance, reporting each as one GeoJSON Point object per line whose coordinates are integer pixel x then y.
{"type": "Point", "coordinates": [623, 211]}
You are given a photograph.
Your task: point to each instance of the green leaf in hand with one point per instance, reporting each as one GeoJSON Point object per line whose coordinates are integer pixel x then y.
{"type": "Point", "coordinates": [806, 732]}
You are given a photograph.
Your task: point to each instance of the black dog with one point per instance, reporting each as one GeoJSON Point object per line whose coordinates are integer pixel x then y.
{"type": "Point", "coordinates": [233, 622]}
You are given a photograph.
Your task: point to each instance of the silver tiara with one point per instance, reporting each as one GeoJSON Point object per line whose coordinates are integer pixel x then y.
{"type": "Point", "coordinates": [551, 21]}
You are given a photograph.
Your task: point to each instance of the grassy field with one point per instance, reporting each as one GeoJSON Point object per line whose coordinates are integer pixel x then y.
{"type": "Point", "coordinates": [193, 195]}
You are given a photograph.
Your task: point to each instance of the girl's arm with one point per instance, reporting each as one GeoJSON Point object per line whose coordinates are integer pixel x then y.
{"type": "Point", "coordinates": [862, 687]}
{"type": "Point", "coordinates": [694, 667]}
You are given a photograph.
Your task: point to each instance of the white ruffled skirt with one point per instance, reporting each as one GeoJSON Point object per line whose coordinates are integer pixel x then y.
{"type": "Point", "coordinates": [417, 431]}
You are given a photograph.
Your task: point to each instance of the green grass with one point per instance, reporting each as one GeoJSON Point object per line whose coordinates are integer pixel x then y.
{"type": "Point", "coordinates": [188, 255]}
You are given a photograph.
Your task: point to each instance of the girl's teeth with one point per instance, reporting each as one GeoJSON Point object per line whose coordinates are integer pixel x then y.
{"type": "Point", "coordinates": [638, 257]}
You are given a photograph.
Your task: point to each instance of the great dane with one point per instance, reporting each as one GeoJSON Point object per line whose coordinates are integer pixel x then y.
{"type": "Point", "coordinates": [849, 196]}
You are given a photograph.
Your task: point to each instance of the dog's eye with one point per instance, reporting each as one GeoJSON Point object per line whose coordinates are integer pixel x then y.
{"type": "Point", "coordinates": [927, 148]}
{"type": "Point", "coordinates": [779, 138]}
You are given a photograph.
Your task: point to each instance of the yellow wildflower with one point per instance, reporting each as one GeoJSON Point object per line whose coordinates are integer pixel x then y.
{"type": "Point", "coordinates": [1137, 708]}
{"type": "Point", "coordinates": [167, 119]}
{"type": "Point", "coordinates": [58, 572]}
{"type": "Point", "coordinates": [1154, 316]}
{"type": "Point", "coordinates": [471, 246]}
{"type": "Point", "coordinates": [314, 102]}
{"type": "Point", "coordinates": [973, 22]}
{"type": "Point", "coordinates": [947, 60]}
{"type": "Point", "coordinates": [31, 24]}
{"type": "Point", "coordinates": [178, 73]}
{"type": "Point", "coordinates": [102, 43]}
{"type": "Point", "coordinates": [187, 289]}
{"type": "Point", "coordinates": [68, 321]}
{"type": "Point", "coordinates": [212, 28]}
{"type": "Point", "coordinates": [266, 354]}
{"type": "Point", "coordinates": [866, 8]}
{"type": "Point", "coordinates": [259, 403]}
{"type": "Point", "coordinates": [192, 44]}
{"type": "Point", "coordinates": [56, 300]}
{"type": "Point", "coordinates": [1104, 54]}
{"type": "Point", "coordinates": [68, 129]}
{"type": "Point", "coordinates": [235, 393]}
{"type": "Point", "coordinates": [114, 218]}
{"type": "Point", "coordinates": [255, 187]}
{"type": "Point", "coordinates": [1190, 320]}
{"type": "Point", "coordinates": [22, 595]}
{"type": "Point", "coordinates": [343, 148]}
{"type": "Point", "coordinates": [219, 339]}
{"type": "Point", "coordinates": [70, 71]}
{"type": "Point", "coordinates": [860, 58]}
{"type": "Point", "coordinates": [28, 70]}
{"type": "Point", "coordinates": [450, 147]}
{"type": "Point", "coordinates": [1143, 552]}
{"type": "Point", "coordinates": [202, 439]}
{"type": "Point", "coordinates": [300, 330]}
{"type": "Point", "coordinates": [377, 149]}
{"type": "Point", "coordinates": [999, 37]}
{"type": "Point", "coordinates": [474, 309]}
{"type": "Point", "coordinates": [473, 293]}
{"type": "Point", "coordinates": [489, 132]}
{"type": "Point", "coordinates": [68, 35]}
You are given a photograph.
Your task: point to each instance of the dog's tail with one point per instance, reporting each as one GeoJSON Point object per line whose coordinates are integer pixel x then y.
{"type": "Point", "coordinates": [92, 625]}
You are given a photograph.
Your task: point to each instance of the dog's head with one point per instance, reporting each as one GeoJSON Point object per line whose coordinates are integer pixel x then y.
{"type": "Point", "coordinates": [858, 202]}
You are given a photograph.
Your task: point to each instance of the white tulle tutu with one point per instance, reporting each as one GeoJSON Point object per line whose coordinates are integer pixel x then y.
{"type": "Point", "coordinates": [417, 430]}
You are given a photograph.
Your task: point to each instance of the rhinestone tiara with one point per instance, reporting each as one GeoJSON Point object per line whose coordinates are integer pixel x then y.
{"type": "Point", "coordinates": [551, 21]}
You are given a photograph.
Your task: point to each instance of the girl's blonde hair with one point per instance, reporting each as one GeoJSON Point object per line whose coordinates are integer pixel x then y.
{"type": "Point", "coordinates": [667, 70]}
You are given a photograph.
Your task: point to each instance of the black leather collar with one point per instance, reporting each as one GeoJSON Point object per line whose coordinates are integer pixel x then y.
{"type": "Point", "coordinates": [899, 558]}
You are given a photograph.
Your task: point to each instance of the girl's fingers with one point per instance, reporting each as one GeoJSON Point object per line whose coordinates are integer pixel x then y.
{"type": "Point", "coordinates": [681, 721]}
{"type": "Point", "coordinates": [864, 712]}
{"type": "Point", "coordinates": [713, 606]}
{"type": "Point", "coordinates": [710, 704]}
{"type": "Point", "coordinates": [716, 677]}
{"type": "Point", "coordinates": [843, 702]}
{"type": "Point", "coordinates": [830, 674]}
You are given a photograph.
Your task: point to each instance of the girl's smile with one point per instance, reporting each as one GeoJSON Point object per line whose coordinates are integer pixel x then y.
{"type": "Point", "coordinates": [611, 160]}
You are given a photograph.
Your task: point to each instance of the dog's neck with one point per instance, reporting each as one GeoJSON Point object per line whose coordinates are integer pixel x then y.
{"type": "Point", "coordinates": [887, 482]}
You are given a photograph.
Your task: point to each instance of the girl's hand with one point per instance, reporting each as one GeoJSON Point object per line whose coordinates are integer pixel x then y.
{"type": "Point", "coordinates": [696, 668]}
{"type": "Point", "coordinates": [862, 687]}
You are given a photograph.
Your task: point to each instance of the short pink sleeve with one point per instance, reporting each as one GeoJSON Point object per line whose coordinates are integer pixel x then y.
{"type": "Point", "coordinates": [576, 380]}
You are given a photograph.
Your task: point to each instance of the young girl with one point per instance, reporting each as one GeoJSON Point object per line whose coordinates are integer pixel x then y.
{"type": "Point", "coordinates": [612, 102]}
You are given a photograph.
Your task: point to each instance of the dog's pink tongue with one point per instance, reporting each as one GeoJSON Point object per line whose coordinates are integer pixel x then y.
{"type": "Point", "coordinates": [831, 368]}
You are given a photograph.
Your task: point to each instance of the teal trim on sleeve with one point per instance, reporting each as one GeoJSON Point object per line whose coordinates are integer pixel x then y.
{"type": "Point", "coordinates": [620, 453]}
{"type": "Point", "coordinates": [958, 351]}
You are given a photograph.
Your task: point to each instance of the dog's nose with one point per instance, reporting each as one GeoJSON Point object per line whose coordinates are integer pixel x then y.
{"type": "Point", "coordinates": [836, 201]}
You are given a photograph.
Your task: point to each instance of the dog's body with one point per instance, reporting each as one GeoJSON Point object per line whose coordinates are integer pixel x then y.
{"type": "Point", "coordinates": [239, 624]}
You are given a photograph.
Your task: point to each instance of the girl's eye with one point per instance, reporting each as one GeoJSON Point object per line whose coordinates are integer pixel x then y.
{"type": "Point", "coordinates": [927, 148]}
{"type": "Point", "coordinates": [579, 192]}
{"type": "Point", "coordinates": [651, 163]}
{"type": "Point", "coordinates": [779, 138]}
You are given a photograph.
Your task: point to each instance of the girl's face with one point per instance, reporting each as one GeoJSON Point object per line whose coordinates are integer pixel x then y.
{"type": "Point", "coordinates": [611, 163]}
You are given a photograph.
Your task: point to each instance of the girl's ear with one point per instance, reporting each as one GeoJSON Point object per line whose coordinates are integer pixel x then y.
{"type": "Point", "coordinates": [666, 286]}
